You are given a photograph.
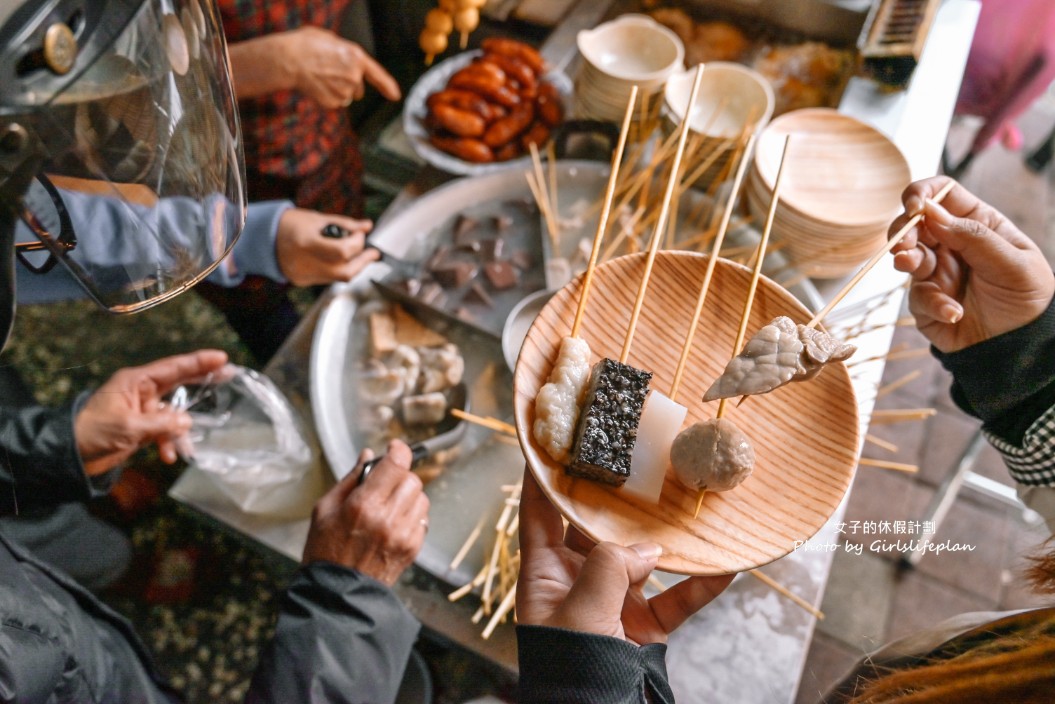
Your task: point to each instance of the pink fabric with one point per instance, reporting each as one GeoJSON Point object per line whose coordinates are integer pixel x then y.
{"type": "Point", "coordinates": [1012, 62]}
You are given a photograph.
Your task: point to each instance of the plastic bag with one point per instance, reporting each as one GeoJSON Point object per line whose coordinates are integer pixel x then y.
{"type": "Point", "coordinates": [248, 439]}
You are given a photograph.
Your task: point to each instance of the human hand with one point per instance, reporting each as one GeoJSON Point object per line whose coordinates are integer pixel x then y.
{"type": "Point", "coordinates": [378, 527]}
{"type": "Point", "coordinates": [306, 258]}
{"type": "Point", "coordinates": [566, 581]}
{"type": "Point", "coordinates": [126, 413]}
{"type": "Point", "coordinates": [975, 275]}
{"type": "Point", "coordinates": [333, 70]}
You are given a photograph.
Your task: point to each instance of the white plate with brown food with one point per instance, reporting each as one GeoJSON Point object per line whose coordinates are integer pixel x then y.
{"type": "Point", "coordinates": [804, 435]}
{"type": "Point", "coordinates": [478, 111]}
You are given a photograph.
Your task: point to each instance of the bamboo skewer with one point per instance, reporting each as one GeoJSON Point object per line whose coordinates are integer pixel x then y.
{"type": "Point", "coordinates": [938, 197]}
{"type": "Point", "coordinates": [501, 611]}
{"type": "Point", "coordinates": [468, 544]}
{"type": "Point", "coordinates": [606, 209]}
{"type": "Point", "coordinates": [719, 238]}
{"type": "Point", "coordinates": [880, 442]}
{"type": "Point", "coordinates": [755, 274]}
{"type": "Point", "coordinates": [886, 464]}
{"type": "Point", "coordinates": [492, 423]}
{"type": "Point", "coordinates": [894, 385]}
{"type": "Point", "coordinates": [661, 224]}
{"type": "Point", "coordinates": [897, 415]}
{"type": "Point", "coordinates": [543, 196]}
{"type": "Point", "coordinates": [892, 356]}
{"type": "Point", "coordinates": [780, 589]}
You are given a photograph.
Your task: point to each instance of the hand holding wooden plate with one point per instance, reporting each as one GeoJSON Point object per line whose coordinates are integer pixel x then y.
{"type": "Point", "coordinates": [805, 435]}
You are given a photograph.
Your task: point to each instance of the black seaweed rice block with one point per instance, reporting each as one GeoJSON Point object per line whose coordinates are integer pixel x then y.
{"type": "Point", "coordinates": [607, 427]}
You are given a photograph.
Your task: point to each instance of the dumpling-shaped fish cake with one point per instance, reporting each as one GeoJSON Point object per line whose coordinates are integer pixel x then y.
{"type": "Point", "coordinates": [768, 361]}
{"type": "Point", "coordinates": [779, 353]}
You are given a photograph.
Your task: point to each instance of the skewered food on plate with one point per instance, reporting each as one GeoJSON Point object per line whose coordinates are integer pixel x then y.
{"type": "Point", "coordinates": [713, 454]}
{"type": "Point", "coordinates": [661, 419]}
{"type": "Point", "coordinates": [559, 401]}
{"type": "Point", "coordinates": [779, 353]}
{"type": "Point", "coordinates": [607, 430]}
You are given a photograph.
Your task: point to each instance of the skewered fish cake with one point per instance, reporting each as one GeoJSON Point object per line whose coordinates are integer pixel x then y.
{"type": "Point", "coordinates": [714, 455]}
{"type": "Point", "coordinates": [558, 402]}
{"type": "Point", "coordinates": [778, 353]}
{"type": "Point", "coordinates": [607, 430]}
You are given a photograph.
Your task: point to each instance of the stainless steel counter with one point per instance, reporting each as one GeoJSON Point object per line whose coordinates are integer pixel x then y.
{"type": "Point", "coordinates": [750, 644]}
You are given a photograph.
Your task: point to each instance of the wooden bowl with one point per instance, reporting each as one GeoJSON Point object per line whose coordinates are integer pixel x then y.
{"type": "Point", "coordinates": [805, 435]}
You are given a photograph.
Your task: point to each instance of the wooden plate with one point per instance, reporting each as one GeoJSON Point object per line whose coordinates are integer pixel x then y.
{"type": "Point", "coordinates": [805, 435]}
{"type": "Point", "coordinates": [838, 170]}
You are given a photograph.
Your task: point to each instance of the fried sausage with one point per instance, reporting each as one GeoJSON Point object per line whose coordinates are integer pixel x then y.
{"type": "Point", "coordinates": [475, 82]}
{"type": "Point", "coordinates": [537, 134]}
{"type": "Point", "coordinates": [486, 71]}
{"type": "Point", "coordinates": [461, 122]}
{"type": "Point", "coordinates": [465, 148]}
{"type": "Point", "coordinates": [508, 128]}
{"type": "Point", "coordinates": [464, 99]}
{"type": "Point", "coordinates": [514, 68]}
{"type": "Point", "coordinates": [509, 151]}
{"type": "Point", "coordinates": [511, 47]}
{"type": "Point", "coordinates": [549, 104]}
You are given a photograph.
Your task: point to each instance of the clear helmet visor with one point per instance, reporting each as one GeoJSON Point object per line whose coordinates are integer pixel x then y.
{"type": "Point", "coordinates": [142, 194]}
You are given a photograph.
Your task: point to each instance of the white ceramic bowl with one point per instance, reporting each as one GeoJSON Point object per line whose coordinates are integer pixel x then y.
{"type": "Point", "coordinates": [633, 48]}
{"type": "Point", "coordinates": [729, 96]}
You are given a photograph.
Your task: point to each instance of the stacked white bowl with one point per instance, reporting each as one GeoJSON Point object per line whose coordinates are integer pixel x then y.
{"type": "Point", "coordinates": [840, 190]}
{"type": "Point", "coordinates": [617, 55]}
{"type": "Point", "coordinates": [732, 100]}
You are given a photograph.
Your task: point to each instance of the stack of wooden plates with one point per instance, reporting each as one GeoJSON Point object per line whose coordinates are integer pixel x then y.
{"type": "Point", "coordinates": [841, 188]}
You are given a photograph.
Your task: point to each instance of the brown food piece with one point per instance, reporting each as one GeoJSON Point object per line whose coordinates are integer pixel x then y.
{"type": "Point", "coordinates": [538, 134]}
{"type": "Point", "coordinates": [464, 229]}
{"type": "Point", "coordinates": [478, 83]}
{"type": "Point", "coordinates": [458, 121]}
{"type": "Point", "coordinates": [514, 68]}
{"type": "Point", "coordinates": [491, 249]}
{"type": "Point", "coordinates": [382, 334]}
{"type": "Point", "coordinates": [502, 275]}
{"type": "Point", "coordinates": [432, 294]}
{"type": "Point", "coordinates": [490, 71]}
{"type": "Point", "coordinates": [411, 332]}
{"type": "Point", "coordinates": [502, 223]}
{"type": "Point", "coordinates": [508, 151]}
{"type": "Point", "coordinates": [453, 274]}
{"type": "Point", "coordinates": [506, 129]}
{"type": "Point", "coordinates": [549, 104]}
{"type": "Point", "coordinates": [477, 294]}
{"type": "Point", "coordinates": [464, 99]}
{"type": "Point", "coordinates": [511, 47]}
{"type": "Point", "coordinates": [465, 148]}
{"type": "Point", "coordinates": [522, 259]}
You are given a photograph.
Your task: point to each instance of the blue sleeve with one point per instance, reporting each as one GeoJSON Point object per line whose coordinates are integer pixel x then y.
{"type": "Point", "coordinates": [97, 218]}
{"type": "Point", "coordinates": [254, 252]}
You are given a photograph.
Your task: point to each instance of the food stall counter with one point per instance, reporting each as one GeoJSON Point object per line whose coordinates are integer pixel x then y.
{"type": "Point", "coordinates": [751, 644]}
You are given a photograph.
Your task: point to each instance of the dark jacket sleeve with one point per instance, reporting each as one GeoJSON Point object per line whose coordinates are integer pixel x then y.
{"type": "Point", "coordinates": [341, 637]}
{"type": "Point", "coordinates": [559, 666]}
{"type": "Point", "coordinates": [39, 462]}
{"type": "Point", "coordinates": [1007, 381]}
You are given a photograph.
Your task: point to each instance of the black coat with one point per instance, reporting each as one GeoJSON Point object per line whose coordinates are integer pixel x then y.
{"type": "Point", "coordinates": [340, 637]}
